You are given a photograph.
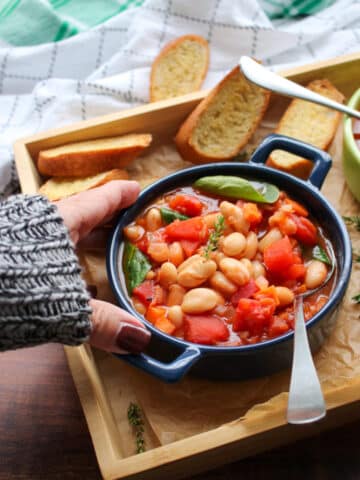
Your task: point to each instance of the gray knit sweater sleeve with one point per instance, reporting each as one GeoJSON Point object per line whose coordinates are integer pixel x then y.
{"type": "Point", "coordinates": [42, 296]}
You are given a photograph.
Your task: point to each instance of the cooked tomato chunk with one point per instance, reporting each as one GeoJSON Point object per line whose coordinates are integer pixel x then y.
{"type": "Point", "coordinates": [145, 292]}
{"type": "Point", "coordinates": [204, 329]}
{"type": "Point", "coordinates": [278, 326]}
{"type": "Point", "coordinates": [306, 231]}
{"type": "Point", "coordinates": [186, 204]}
{"type": "Point", "coordinates": [246, 291]}
{"type": "Point", "coordinates": [252, 213]}
{"type": "Point", "coordinates": [253, 315]}
{"type": "Point", "coordinates": [143, 243]}
{"type": "Point", "coordinates": [193, 229]}
{"type": "Point", "coordinates": [278, 256]}
{"type": "Point", "coordinates": [190, 246]}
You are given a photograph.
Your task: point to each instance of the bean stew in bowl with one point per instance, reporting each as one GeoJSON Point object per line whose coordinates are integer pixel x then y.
{"type": "Point", "coordinates": [212, 257]}
{"type": "Point", "coordinates": [218, 270]}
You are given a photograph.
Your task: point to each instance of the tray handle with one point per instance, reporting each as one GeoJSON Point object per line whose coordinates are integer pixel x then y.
{"type": "Point", "coordinates": [322, 160]}
{"type": "Point", "coordinates": [167, 372]}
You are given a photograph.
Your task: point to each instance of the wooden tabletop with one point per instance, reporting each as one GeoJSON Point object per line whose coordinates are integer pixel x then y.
{"type": "Point", "coordinates": [44, 434]}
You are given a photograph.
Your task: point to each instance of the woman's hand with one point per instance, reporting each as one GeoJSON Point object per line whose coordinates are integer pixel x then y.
{"type": "Point", "coordinates": [113, 329]}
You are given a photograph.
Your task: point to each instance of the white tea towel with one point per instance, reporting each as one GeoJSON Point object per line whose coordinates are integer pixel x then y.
{"type": "Point", "coordinates": [106, 69]}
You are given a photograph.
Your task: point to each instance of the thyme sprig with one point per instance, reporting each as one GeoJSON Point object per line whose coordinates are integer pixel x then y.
{"type": "Point", "coordinates": [353, 220]}
{"type": "Point", "coordinates": [214, 238]}
{"type": "Point", "coordinates": [136, 420]}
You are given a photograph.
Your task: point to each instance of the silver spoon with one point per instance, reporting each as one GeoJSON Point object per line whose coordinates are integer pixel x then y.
{"type": "Point", "coordinates": [263, 77]}
{"type": "Point", "coordinates": [306, 402]}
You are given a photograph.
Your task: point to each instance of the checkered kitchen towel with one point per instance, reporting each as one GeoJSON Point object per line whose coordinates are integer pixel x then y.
{"type": "Point", "coordinates": [106, 68]}
{"type": "Point", "coordinates": [32, 22]}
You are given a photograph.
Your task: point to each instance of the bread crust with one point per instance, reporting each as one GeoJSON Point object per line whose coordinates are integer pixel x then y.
{"type": "Point", "coordinates": [61, 187]}
{"type": "Point", "coordinates": [183, 138]}
{"type": "Point", "coordinates": [83, 163]}
{"type": "Point", "coordinates": [170, 46]}
{"type": "Point", "coordinates": [298, 166]}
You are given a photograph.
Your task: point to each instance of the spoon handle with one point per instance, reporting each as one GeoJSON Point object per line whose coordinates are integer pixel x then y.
{"type": "Point", "coordinates": [306, 402]}
{"type": "Point", "coordinates": [263, 77]}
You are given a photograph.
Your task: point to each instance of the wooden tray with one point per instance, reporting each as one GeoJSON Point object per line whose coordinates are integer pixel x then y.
{"type": "Point", "coordinates": [228, 442]}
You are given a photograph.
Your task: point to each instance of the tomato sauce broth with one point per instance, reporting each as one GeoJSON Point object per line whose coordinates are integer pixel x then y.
{"type": "Point", "coordinates": [251, 309]}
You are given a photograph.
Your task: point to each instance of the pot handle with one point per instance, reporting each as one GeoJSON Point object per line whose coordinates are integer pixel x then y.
{"type": "Point", "coordinates": [167, 372]}
{"type": "Point", "coordinates": [322, 160]}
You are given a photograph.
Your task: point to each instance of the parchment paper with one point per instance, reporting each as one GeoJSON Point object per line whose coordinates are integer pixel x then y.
{"type": "Point", "coordinates": [193, 406]}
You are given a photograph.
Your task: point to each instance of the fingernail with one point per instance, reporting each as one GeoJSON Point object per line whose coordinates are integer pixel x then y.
{"type": "Point", "coordinates": [133, 339]}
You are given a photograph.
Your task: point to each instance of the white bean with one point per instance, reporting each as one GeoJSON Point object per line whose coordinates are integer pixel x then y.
{"type": "Point", "coordinates": [176, 315]}
{"type": "Point", "coordinates": [234, 270]}
{"type": "Point", "coordinates": [153, 219]}
{"type": "Point", "coordinates": [258, 269]}
{"type": "Point", "coordinates": [248, 265]}
{"type": "Point", "coordinates": [199, 300]}
{"type": "Point", "coordinates": [234, 216]}
{"type": "Point", "coordinates": [159, 251]}
{"type": "Point", "coordinates": [220, 299]}
{"type": "Point", "coordinates": [217, 256]}
{"type": "Point", "coordinates": [219, 282]}
{"type": "Point", "coordinates": [134, 232]}
{"type": "Point", "coordinates": [176, 253]}
{"type": "Point", "coordinates": [210, 219]}
{"type": "Point", "coordinates": [176, 295]}
{"type": "Point", "coordinates": [262, 282]}
{"type": "Point", "coordinates": [189, 261]}
{"type": "Point", "coordinates": [195, 271]}
{"type": "Point", "coordinates": [251, 246]}
{"type": "Point", "coordinates": [139, 306]}
{"type": "Point", "coordinates": [285, 296]}
{"type": "Point", "coordinates": [316, 273]}
{"type": "Point", "coordinates": [167, 274]}
{"type": "Point", "coordinates": [272, 236]}
{"type": "Point", "coordinates": [234, 244]}
{"type": "Point", "coordinates": [150, 275]}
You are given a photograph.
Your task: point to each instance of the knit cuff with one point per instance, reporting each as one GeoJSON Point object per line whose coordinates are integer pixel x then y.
{"type": "Point", "coordinates": [42, 296]}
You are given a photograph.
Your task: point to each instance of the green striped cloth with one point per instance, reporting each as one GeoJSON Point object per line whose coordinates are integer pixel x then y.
{"type": "Point", "coordinates": [31, 22]}
{"type": "Point", "coordinates": [295, 8]}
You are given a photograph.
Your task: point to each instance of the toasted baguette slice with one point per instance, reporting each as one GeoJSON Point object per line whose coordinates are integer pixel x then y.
{"type": "Point", "coordinates": [309, 122]}
{"type": "Point", "coordinates": [82, 159]}
{"type": "Point", "coordinates": [179, 68]}
{"type": "Point", "coordinates": [61, 187]}
{"type": "Point", "coordinates": [223, 123]}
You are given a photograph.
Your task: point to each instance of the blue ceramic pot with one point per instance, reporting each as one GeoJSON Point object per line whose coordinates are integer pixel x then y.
{"type": "Point", "coordinates": [170, 358]}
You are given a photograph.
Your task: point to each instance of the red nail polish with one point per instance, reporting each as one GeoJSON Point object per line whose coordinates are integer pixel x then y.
{"type": "Point", "coordinates": [133, 339]}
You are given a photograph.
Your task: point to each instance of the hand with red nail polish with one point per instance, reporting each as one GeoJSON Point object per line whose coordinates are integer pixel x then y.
{"type": "Point", "coordinates": [113, 329]}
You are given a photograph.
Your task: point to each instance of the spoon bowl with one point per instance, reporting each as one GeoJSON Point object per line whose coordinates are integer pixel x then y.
{"type": "Point", "coordinates": [306, 402]}
{"type": "Point", "coordinates": [263, 77]}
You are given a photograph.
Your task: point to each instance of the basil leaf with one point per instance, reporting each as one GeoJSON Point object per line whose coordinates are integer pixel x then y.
{"type": "Point", "coordinates": [319, 253]}
{"type": "Point", "coordinates": [169, 215]}
{"type": "Point", "coordinates": [237, 187]}
{"type": "Point", "coordinates": [136, 266]}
